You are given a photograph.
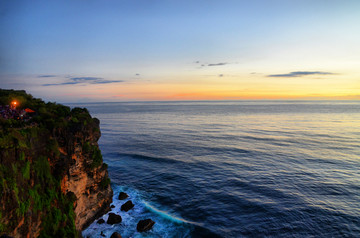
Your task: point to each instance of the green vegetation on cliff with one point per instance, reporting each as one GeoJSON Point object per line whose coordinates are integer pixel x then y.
{"type": "Point", "coordinates": [32, 167]}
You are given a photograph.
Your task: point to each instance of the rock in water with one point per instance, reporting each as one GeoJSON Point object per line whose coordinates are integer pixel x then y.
{"type": "Point", "coordinates": [115, 235]}
{"type": "Point", "coordinates": [127, 206]}
{"type": "Point", "coordinates": [113, 219]}
{"type": "Point", "coordinates": [100, 221]}
{"type": "Point", "coordinates": [123, 196]}
{"type": "Point", "coordinates": [145, 225]}
{"type": "Point", "coordinates": [102, 234]}
{"type": "Point", "coordinates": [112, 206]}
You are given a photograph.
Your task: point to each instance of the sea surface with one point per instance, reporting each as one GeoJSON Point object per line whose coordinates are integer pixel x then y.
{"type": "Point", "coordinates": [233, 168]}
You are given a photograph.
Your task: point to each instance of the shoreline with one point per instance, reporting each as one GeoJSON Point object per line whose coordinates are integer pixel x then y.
{"type": "Point", "coordinates": [164, 223]}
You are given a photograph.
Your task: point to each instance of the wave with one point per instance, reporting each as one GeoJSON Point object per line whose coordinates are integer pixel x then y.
{"type": "Point", "coordinates": [145, 157]}
{"type": "Point", "coordinates": [168, 216]}
{"type": "Point", "coordinates": [166, 223]}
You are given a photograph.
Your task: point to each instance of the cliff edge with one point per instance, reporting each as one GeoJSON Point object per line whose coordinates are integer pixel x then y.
{"type": "Point", "coordinates": [52, 177]}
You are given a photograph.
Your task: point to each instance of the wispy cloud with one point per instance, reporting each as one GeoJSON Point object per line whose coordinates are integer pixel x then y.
{"type": "Point", "coordinates": [202, 64]}
{"type": "Point", "coordinates": [217, 64]}
{"type": "Point", "coordinates": [84, 80]}
{"type": "Point", "coordinates": [298, 74]}
{"type": "Point", "coordinates": [47, 76]}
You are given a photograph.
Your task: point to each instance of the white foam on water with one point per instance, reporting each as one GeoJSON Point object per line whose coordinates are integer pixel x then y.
{"type": "Point", "coordinates": [166, 224]}
{"type": "Point", "coordinates": [168, 216]}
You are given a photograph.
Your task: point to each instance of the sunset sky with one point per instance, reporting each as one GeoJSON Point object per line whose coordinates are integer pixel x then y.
{"type": "Point", "coordinates": [125, 50]}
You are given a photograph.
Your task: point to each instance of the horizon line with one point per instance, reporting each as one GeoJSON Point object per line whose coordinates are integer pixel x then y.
{"type": "Point", "coordinates": [224, 100]}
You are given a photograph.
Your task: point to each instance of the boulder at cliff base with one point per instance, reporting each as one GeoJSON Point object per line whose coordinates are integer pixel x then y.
{"type": "Point", "coordinates": [123, 196]}
{"type": "Point", "coordinates": [127, 206]}
{"type": "Point", "coordinates": [113, 219]}
{"type": "Point", "coordinates": [145, 225]}
{"type": "Point", "coordinates": [100, 221]}
{"type": "Point", "coordinates": [115, 235]}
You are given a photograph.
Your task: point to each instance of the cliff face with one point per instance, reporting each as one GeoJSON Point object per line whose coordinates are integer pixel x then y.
{"type": "Point", "coordinates": [53, 181]}
{"type": "Point", "coordinates": [87, 177]}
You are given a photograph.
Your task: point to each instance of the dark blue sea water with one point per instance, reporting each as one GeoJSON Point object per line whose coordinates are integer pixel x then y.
{"type": "Point", "coordinates": [234, 169]}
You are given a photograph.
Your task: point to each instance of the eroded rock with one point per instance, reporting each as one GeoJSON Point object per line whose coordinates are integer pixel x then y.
{"type": "Point", "coordinates": [115, 235]}
{"type": "Point", "coordinates": [100, 221]}
{"type": "Point", "coordinates": [145, 225]}
{"type": "Point", "coordinates": [127, 206]}
{"type": "Point", "coordinates": [113, 219]}
{"type": "Point", "coordinates": [123, 196]}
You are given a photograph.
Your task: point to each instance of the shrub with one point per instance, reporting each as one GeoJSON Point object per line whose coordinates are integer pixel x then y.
{"type": "Point", "coordinates": [36, 198]}
{"type": "Point", "coordinates": [22, 156]}
{"type": "Point", "coordinates": [86, 147]}
{"type": "Point", "coordinates": [97, 157]}
{"type": "Point", "coordinates": [104, 183]}
{"type": "Point", "coordinates": [26, 170]}
{"type": "Point", "coordinates": [104, 166]}
{"type": "Point", "coordinates": [53, 147]}
{"type": "Point", "coordinates": [23, 207]}
{"type": "Point", "coordinates": [42, 169]}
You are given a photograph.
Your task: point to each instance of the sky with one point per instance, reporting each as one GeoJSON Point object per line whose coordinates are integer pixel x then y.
{"type": "Point", "coordinates": [145, 50]}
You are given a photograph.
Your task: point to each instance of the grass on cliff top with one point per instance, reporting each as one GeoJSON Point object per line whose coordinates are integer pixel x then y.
{"type": "Point", "coordinates": [49, 115]}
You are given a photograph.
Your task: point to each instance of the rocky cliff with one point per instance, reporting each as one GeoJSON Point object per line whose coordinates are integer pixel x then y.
{"type": "Point", "coordinates": [52, 177]}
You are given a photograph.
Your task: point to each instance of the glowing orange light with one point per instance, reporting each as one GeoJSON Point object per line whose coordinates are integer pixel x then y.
{"type": "Point", "coordinates": [14, 103]}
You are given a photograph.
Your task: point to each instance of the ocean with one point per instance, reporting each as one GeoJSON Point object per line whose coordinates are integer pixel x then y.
{"type": "Point", "coordinates": [233, 168]}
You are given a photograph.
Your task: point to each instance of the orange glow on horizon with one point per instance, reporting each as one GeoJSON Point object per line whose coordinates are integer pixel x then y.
{"type": "Point", "coordinates": [239, 87]}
